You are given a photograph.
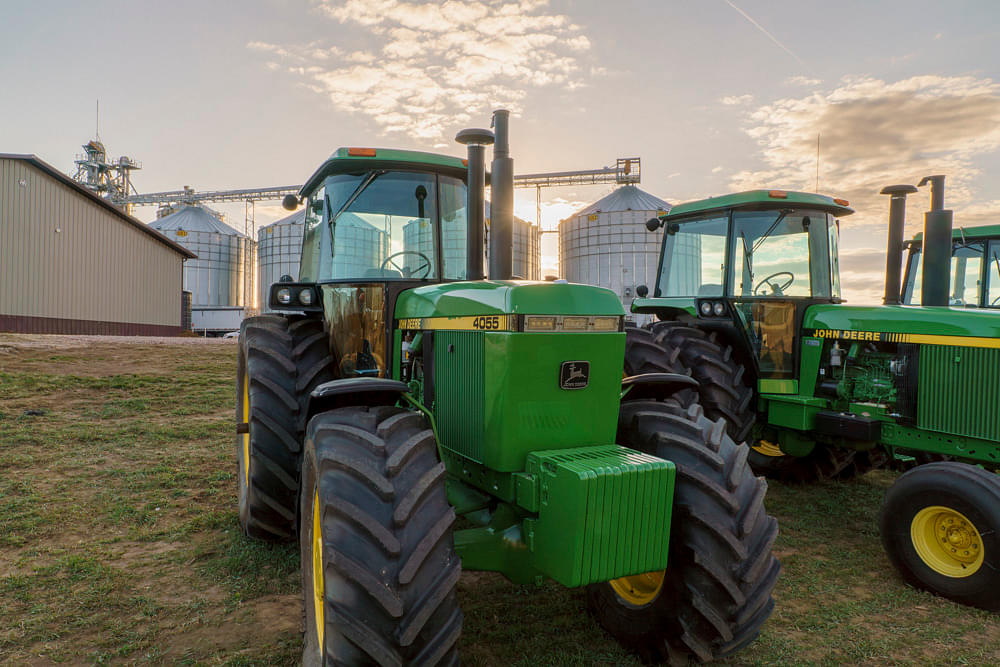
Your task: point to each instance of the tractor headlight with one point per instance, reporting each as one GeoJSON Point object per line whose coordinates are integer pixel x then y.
{"type": "Point", "coordinates": [306, 297]}
{"type": "Point", "coordinates": [539, 323]}
{"type": "Point", "coordinates": [719, 308]}
{"type": "Point", "coordinates": [705, 308]}
{"type": "Point", "coordinates": [284, 296]}
{"type": "Point", "coordinates": [606, 323]}
{"type": "Point", "coordinates": [575, 323]}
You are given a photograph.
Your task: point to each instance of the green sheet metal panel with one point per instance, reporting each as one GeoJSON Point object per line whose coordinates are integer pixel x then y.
{"type": "Point", "coordinates": [459, 388]}
{"type": "Point", "coordinates": [603, 512]}
{"type": "Point", "coordinates": [958, 391]}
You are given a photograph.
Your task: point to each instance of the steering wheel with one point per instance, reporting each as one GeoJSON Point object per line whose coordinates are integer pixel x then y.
{"type": "Point", "coordinates": [994, 301]}
{"type": "Point", "coordinates": [776, 290]}
{"type": "Point", "coordinates": [425, 267]}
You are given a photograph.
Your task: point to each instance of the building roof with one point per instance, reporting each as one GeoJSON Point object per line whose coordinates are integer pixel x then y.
{"type": "Point", "coordinates": [625, 198]}
{"type": "Point", "coordinates": [194, 219]}
{"type": "Point", "coordinates": [44, 166]}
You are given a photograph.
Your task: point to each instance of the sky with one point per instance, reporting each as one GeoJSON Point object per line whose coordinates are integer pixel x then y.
{"type": "Point", "coordinates": [714, 95]}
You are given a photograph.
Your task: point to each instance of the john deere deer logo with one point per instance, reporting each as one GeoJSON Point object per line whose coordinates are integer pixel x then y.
{"type": "Point", "coordinates": [574, 374]}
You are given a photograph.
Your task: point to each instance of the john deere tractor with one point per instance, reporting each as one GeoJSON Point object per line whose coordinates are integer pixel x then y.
{"type": "Point", "coordinates": [748, 302]}
{"type": "Point", "coordinates": [406, 418]}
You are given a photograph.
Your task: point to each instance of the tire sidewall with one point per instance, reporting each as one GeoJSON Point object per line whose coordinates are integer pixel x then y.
{"type": "Point", "coordinates": [241, 463]}
{"type": "Point", "coordinates": [902, 505]}
{"type": "Point", "coordinates": [312, 653]}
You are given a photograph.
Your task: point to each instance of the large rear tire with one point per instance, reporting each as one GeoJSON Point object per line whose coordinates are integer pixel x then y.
{"type": "Point", "coordinates": [723, 389]}
{"type": "Point", "coordinates": [940, 525]}
{"type": "Point", "coordinates": [644, 355]}
{"type": "Point", "coordinates": [379, 569]}
{"type": "Point", "coordinates": [715, 594]}
{"type": "Point", "coordinates": [281, 359]}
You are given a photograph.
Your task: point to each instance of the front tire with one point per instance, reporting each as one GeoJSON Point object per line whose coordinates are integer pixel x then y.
{"type": "Point", "coordinates": [715, 594]}
{"type": "Point", "coordinates": [281, 359]}
{"type": "Point", "coordinates": [940, 525]}
{"type": "Point", "coordinates": [379, 569]}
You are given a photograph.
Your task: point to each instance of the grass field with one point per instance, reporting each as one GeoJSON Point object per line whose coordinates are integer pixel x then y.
{"type": "Point", "coordinates": [119, 541]}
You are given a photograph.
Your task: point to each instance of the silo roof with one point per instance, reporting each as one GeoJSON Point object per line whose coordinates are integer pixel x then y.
{"type": "Point", "coordinates": [194, 219]}
{"type": "Point", "coordinates": [625, 198]}
{"type": "Point", "coordinates": [297, 218]}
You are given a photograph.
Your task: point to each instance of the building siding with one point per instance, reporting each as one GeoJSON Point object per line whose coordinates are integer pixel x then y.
{"type": "Point", "coordinates": [65, 257]}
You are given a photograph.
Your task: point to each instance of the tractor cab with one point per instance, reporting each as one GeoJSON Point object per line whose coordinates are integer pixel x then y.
{"type": "Point", "coordinates": [378, 222]}
{"type": "Point", "coordinates": [975, 268]}
{"type": "Point", "coordinates": [754, 260]}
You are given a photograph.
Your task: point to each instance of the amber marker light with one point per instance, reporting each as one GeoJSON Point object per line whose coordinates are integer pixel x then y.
{"type": "Point", "coordinates": [777, 194]}
{"type": "Point", "coordinates": [361, 152]}
{"type": "Point", "coordinates": [842, 202]}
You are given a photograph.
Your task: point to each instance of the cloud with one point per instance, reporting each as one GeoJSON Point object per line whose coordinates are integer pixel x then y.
{"type": "Point", "coordinates": [734, 100]}
{"type": "Point", "coordinates": [437, 64]}
{"type": "Point", "coordinates": [802, 81]}
{"type": "Point", "coordinates": [716, 170]}
{"type": "Point", "coordinates": [873, 134]}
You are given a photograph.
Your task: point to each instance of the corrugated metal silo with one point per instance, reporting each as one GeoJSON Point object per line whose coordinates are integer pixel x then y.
{"type": "Point", "coordinates": [607, 244]}
{"type": "Point", "coordinates": [279, 250]}
{"type": "Point", "coordinates": [217, 279]}
{"type": "Point", "coordinates": [527, 248]}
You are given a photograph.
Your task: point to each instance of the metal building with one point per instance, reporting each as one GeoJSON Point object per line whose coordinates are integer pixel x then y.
{"type": "Point", "coordinates": [70, 262]}
{"type": "Point", "coordinates": [607, 243]}
{"type": "Point", "coordinates": [279, 250]}
{"type": "Point", "coordinates": [217, 279]}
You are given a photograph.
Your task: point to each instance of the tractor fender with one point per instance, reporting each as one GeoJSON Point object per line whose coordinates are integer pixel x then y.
{"type": "Point", "coordinates": [656, 385]}
{"type": "Point", "coordinates": [354, 391]}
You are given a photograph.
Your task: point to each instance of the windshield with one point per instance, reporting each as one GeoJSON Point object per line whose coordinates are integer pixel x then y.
{"type": "Point", "coordinates": [781, 254]}
{"type": "Point", "coordinates": [966, 276]}
{"type": "Point", "coordinates": [773, 253]}
{"type": "Point", "coordinates": [385, 225]}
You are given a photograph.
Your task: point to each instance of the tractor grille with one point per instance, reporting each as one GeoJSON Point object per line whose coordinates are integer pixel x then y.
{"type": "Point", "coordinates": [459, 391]}
{"type": "Point", "coordinates": [958, 391]}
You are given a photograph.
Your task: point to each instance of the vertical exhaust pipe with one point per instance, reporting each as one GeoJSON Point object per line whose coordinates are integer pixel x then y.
{"type": "Point", "coordinates": [501, 201]}
{"type": "Point", "coordinates": [936, 276]}
{"type": "Point", "coordinates": [476, 140]}
{"type": "Point", "coordinates": [894, 246]}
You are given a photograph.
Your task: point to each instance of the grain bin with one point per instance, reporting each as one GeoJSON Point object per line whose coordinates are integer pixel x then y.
{"type": "Point", "coordinates": [218, 278]}
{"type": "Point", "coordinates": [527, 248]}
{"type": "Point", "coordinates": [279, 250]}
{"type": "Point", "coordinates": [607, 244]}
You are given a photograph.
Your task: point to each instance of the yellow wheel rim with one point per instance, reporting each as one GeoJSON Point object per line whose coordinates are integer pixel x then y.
{"type": "Point", "coordinates": [947, 541]}
{"type": "Point", "coordinates": [768, 449]}
{"type": "Point", "coordinates": [246, 436]}
{"type": "Point", "coordinates": [639, 589]}
{"type": "Point", "coordinates": [317, 566]}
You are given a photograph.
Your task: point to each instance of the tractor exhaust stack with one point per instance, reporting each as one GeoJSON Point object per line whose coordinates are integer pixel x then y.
{"type": "Point", "coordinates": [501, 201]}
{"type": "Point", "coordinates": [476, 140]}
{"type": "Point", "coordinates": [936, 276]}
{"type": "Point", "coordinates": [894, 247]}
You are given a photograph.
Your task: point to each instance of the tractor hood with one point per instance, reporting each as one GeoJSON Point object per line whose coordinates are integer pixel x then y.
{"type": "Point", "coordinates": [906, 324]}
{"type": "Point", "coordinates": [495, 297]}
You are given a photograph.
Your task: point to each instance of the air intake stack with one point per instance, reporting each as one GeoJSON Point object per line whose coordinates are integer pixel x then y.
{"type": "Point", "coordinates": [894, 247]}
{"type": "Point", "coordinates": [476, 140]}
{"type": "Point", "coordinates": [937, 246]}
{"type": "Point", "coordinates": [501, 201]}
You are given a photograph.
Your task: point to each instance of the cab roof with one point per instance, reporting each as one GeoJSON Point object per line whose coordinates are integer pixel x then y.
{"type": "Point", "coordinates": [970, 233]}
{"type": "Point", "coordinates": [761, 199]}
{"type": "Point", "coordinates": [345, 160]}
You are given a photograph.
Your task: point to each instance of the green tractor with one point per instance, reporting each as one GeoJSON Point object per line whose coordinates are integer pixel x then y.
{"type": "Point", "coordinates": [975, 268]}
{"type": "Point", "coordinates": [405, 419]}
{"type": "Point", "coordinates": [748, 302]}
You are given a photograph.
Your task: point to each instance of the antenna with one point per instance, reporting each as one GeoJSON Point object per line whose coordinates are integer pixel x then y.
{"type": "Point", "coordinates": [817, 162]}
{"type": "Point", "coordinates": [97, 122]}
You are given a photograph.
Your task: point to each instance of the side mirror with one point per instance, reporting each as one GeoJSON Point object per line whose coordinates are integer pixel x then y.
{"type": "Point", "coordinates": [653, 224]}
{"type": "Point", "coordinates": [641, 291]}
{"type": "Point", "coordinates": [290, 202]}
